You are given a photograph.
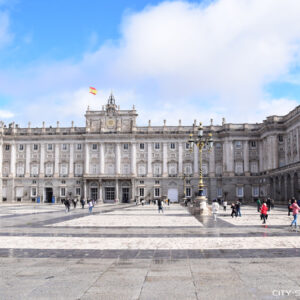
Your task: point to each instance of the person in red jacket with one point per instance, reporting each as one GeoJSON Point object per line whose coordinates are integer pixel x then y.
{"type": "Point", "coordinates": [264, 212]}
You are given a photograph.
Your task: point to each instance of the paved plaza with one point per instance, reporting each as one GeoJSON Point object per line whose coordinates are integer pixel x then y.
{"type": "Point", "coordinates": [124, 251]}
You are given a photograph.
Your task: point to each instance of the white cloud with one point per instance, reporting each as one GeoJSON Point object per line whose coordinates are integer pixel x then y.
{"type": "Point", "coordinates": [5, 114]}
{"type": "Point", "coordinates": [177, 60]}
{"type": "Point", "coordinates": [5, 35]}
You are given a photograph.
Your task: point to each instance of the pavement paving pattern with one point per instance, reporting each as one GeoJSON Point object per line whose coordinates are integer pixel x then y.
{"type": "Point", "coordinates": [123, 251]}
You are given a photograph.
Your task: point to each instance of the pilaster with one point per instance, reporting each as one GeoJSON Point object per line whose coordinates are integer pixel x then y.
{"type": "Point", "coordinates": [180, 166]}
{"type": "Point", "coordinates": [165, 159]}
{"type": "Point", "coordinates": [102, 162]}
{"type": "Point", "coordinates": [246, 158]}
{"type": "Point", "coordinates": [56, 162]}
{"type": "Point", "coordinates": [71, 161]}
{"type": "Point", "coordinates": [27, 166]}
{"type": "Point", "coordinates": [87, 159]}
{"type": "Point", "coordinates": [118, 159]}
{"type": "Point", "coordinates": [149, 161]}
{"type": "Point", "coordinates": [133, 159]}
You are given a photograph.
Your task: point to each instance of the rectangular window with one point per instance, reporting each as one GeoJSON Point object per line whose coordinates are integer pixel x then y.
{"type": "Point", "coordinates": [77, 191]}
{"type": "Point", "coordinates": [64, 147]}
{"type": "Point", "coordinates": [187, 146]}
{"type": "Point", "coordinates": [253, 144]}
{"type": "Point", "coordinates": [21, 147]}
{"type": "Point", "coordinates": [157, 192]}
{"type": "Point", "coordinates": [62, 192]}
{"type": "Point", "coordinates": [50, 147]}
{"type": "Point", "coordinates": [142, 192]}
{"type": "Point", "coordinates": [142, 146]}
{"type": "Point", "coordinates": [78, 147]}
{"type": "Point", "coordinates": [142, 182]}
{"type": "Point", "coordinates": [110, 193]}
{"type": "Point", "coordinates": [240, 191]}
{"type": "Point", "coordinates": [35, 147]}
{"type": "Point", "coordinates": [188, 192]}
{"type": "Point", "coordinates": [156, 181]}
{"type": "Point", "coordinates": [125, 146]}
{"type": "Point", "coordinates": [7, 147]}
{"type": "Point", "coordinates": [238, 144]}
{"type": "Point", "coordinates": [280, 138]}
{"type": "Point", "coordinates": [255, 191]}
{"type": "Point", "coordinates": [33, 191]}
{"type": "Point", "coordinates": [157, 146]}
{"type": "Point", "coordinates": [172, 145]}
{"type": "Point", "coordinates": [77, 182]}
{"type": "Point", "coordinates": [219, 192]}
{"type": "Point", "coordinates": [94, 146]}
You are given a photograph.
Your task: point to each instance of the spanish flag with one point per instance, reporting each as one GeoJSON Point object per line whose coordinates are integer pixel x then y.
{"type": "Point", "coordinates": [93, 91]}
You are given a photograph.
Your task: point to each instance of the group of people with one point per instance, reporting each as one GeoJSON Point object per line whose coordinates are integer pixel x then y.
{"type": "Point", "coordinates": [67, 202]}
{"type": "Point", "coordinates": [269, 203]}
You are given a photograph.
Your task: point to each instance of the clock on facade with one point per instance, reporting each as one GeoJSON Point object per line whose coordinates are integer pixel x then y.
{"type": "Point", "coordinates": [110, 123]}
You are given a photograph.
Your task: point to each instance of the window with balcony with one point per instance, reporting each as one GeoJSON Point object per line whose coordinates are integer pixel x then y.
{"type": "Point", "coordinates": [157, 192]}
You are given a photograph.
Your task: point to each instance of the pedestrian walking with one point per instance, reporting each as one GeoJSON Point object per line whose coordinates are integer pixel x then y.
{"type": "Point", "coordinates": [168, 201]}
{"type": "Point", "coordinates": [264, 212]}
{"type": "Point", "coordinates": [160, 206]}
{"type": "Point", "coordinates": [224, 205]}
{"type": "Point", "coordinates": [215, 209]}
{"type": "Point", "coordinates": [258, 203]}
{"type": "Point", "coordinates": [74, 201]}
{"type": "Point", "coordinates": [295, 208]}
{"type": "Point", "coordinates": [82, 202]}
{"type": "Point", "coordinates": [238, 208]}
{"type": "Point", "coordinates": [67, 205]}
{"type": "Point", "coordinates": [91, 206]}
{"type": "Point", "coordinates": [233, 210]}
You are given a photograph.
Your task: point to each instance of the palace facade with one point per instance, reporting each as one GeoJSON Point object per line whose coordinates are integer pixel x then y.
{"type": "Point", "coordinates": [112, 159]}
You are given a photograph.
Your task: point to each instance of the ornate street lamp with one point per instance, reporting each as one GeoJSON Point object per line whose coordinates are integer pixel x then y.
{"type": "Point", "coordinates": [201, 141]}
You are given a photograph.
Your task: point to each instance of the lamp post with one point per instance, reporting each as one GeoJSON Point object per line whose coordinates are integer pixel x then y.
{"type": "Point", "coordinates": [201, 141]}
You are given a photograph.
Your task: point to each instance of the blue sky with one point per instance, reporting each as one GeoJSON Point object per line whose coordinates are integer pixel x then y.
{"type": "Point", "coordinates": [187, 60]}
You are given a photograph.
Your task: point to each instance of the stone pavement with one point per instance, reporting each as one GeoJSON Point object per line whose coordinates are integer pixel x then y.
{"type": "Point", "coordinates": [133, 252]}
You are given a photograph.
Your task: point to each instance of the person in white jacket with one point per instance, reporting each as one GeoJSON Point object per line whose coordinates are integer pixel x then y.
{"type": "Point", "coordinates": [215, 209]}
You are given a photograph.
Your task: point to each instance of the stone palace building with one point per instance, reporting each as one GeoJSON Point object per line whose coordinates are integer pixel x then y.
{"type": "Point", "coordinates": [112, 159]}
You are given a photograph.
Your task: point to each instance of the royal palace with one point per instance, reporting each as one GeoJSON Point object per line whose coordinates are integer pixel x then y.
{"type": "Point", "coordinates": [112, 159]}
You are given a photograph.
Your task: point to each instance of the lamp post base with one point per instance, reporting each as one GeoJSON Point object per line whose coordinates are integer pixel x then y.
{"type": "Point", "coordinates": [201, 202]}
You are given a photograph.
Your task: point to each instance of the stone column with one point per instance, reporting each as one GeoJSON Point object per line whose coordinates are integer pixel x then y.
{"type": "Point", "coordinates": [87, 159]}
{"type": "Point", "coordinates": [133, 159]}
{"type": "Point", "coordinates": [180, 166]}
{"type": "Point", "coordinates": [100, 192]}
{"type": "Point", "coordinates": [117, 191]}
{"type": "Point", "coordinates": [71, 161]}
{"type": "Point", "coordinates": [165, 159]}
{"type": "Point", "coordinates": [285, 151]}
{"type": "Point", "coordinates": [212, 165]}
{"type": "Point", "coordinates": [118, 159]}
{"type": "Point", "coordinates": [246, 157]}
{"type": "Point", "coordinates": [275, 152]}
{"type": "Point", "coordinates": [132, 190]}
{"type": "Point", "coordinates": [13, 160]}
{"type": "Point", "coordinates": [85, 190]}
{"type": "Point", "coordinates": [56, 163]}
{"type": "Point", "coordinates": [27, 166]}
{"type": "Point", "coordinates": [229, 157]}
{"type": "Point", "coordinates": [260, 155]}
{"type": "Point", "coordinates": [149, 161]}
{"type": "Point", "coordinates": [42, 160]}
{"type": "Point", "coordinates": [102, 162]}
